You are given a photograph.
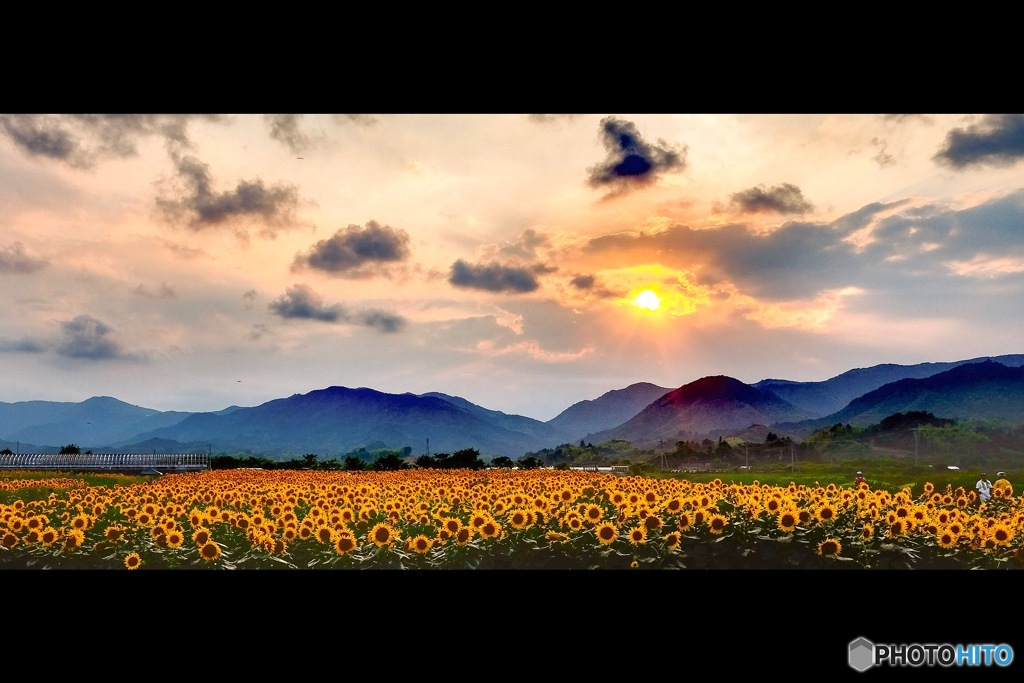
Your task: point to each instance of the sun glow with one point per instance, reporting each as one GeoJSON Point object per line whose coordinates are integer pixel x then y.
{"type": "Point", "coordinates": [648, 300]}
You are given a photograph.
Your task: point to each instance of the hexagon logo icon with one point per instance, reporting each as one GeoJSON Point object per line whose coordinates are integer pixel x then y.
{"type": "Point", "coordinates": [862, 654]}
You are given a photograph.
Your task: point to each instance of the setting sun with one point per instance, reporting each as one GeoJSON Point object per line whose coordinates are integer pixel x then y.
{"type": "Point", "coordinates": [647, 299]}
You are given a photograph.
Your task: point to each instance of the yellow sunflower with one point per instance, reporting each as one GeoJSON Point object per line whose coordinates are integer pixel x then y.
{"type": "Point", "coordinates": [48, 536]}
{"type": "Point", "coordinates": [826, 513]}
{"type": "Point", "coordinates": [420, 544]}
{"type": "Point", "coordinates": [672, 540]}
{"type": "Point", "coordinates": [344, 543]}
{"type": "Point", "coordinates": [593, 514]}
{"type": "Point", "coordinates": [637, 535]}
{"type": "Point", "coordinates": [606, 533]}
{"type": "Point", "coordinates": [74, 538]}
{"type": "Point", "coordinates": [787, 521]}
{"type": "Point", "coordinates": [210, 551]}
{"type": "Point", "coordinates": [132, 561]}
{"type": "Point", "coordinates": [518, 519]}
{"type": "Point", "coordinates": [490, 529]}
{"type": "Point", "coordinates": [717, 523]}
{"type": "Point", "coordinates": [1002, 534]}
{"type": "Point", "coordinates": [830, 547]}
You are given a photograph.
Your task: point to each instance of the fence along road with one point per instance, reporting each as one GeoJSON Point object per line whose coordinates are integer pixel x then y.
{"type": "Point", "coordinates": [143, 463]}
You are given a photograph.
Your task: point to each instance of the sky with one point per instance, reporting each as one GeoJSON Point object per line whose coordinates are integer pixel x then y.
{"type": "Point", "coordinates": [524, 262]}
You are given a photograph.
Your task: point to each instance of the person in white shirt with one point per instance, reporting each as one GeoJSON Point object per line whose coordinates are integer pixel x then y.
{"type": "Point", "coordinates": [984, 487]}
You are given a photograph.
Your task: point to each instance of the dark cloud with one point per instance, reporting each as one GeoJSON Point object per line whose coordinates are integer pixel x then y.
{"type": "Point", "coordinates": [631, 160]}
{"type": "Point", "coordinates": [996, 140]}
{"type": "Point", "coordinates": [21, 346]}
{"type": "Point", "coordinates": [88, 338]}
{"type": "Point", "coordinates": [583, 281]}
{"type": "Point", "coordinates": [285, 128]}
{"type": "Point", "coordinates": [302, 302]}
{"type": "Point", "coordinates": [13, 259]}
{"type": "Point", "coordinates": [192, 200]}
{"type": "Point", "coordinates": [784, 198]}
{"type": "Point", "coordinates": [80, 140]}
{"type": "Point", "coordinates": [381, 320]}
{"type": "Point", "coordinates": [906, 249]}
{"type": "Point", "coordinates": [249, 297]}
{"type": "Point", "coordinates": [492, 277]}
{"type": "Point", "coordinates": [934, 235]}
{"type": "Point", "coordinates": [883, 158]}
{"type": "Point", "coordinates": [356, 252]}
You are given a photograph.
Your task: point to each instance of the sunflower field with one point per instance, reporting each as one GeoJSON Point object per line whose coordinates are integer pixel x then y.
{"type": "Point", "coordinates": [495, 519]}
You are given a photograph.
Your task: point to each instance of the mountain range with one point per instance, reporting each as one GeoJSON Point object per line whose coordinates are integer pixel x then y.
{"type": "Point", "coordinates": [334, 421]}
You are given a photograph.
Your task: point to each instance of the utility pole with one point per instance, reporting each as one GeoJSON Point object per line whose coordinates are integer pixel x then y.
{"type": "Point", "coordinates": [746, 453]}
{"type": "Point", "coordinates": [792, 458]}
{"type": "Point", "coordinates": [662, 445]}
{"type": "Point", "coordinates": [915, 444]}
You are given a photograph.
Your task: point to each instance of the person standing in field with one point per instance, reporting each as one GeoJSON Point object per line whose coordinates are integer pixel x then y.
{"type": "Point", "coordinates": [1002, 488]}
{"type": "Point", "coordinates": [984, 487]}
{"type": "Point", "coordinates": [860, 479]}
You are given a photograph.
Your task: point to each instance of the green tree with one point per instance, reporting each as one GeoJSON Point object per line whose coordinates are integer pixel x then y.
{"type": "Point", "coordinates": [388, 462]}
{"type": "Point", "coordinates": [529, 463]}
{"type": "Point", "coordinates": [503, 461]}
{"type": "Point", "coordinates": [354, 463]}
{"type": "Point", "coordinates": [70, 449]}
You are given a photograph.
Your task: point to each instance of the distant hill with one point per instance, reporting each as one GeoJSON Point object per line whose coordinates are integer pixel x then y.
{"type": "Point", "coordinates": [699, 409]}
{"type": "Point", "coordinates": [516, 423]}
{"type": "Point", "coordinates": [832, 395]}
{"type": "Point", "coordinates": [983, 390]}
{"type": "Point", "coordinates": [338, 420]}
{"type": "Point", "coordinates": [608, 410]}
{"type": "Point", "coordinates": [94, 422]}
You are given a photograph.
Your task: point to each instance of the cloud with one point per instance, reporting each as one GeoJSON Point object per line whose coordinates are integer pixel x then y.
{"type": "Point", "coordinates": [380, 320]}
{"type": "Point", "coordinates": [165, 292]}
{"type": "Point", "coordinates": [13, 259]}
{"type": "Point", "coordinates": [785, 198]}
{"type": "Point", "coordinates": [493, 277]}
{"type": "Point", "coordinates": [80, 140]}
{"type": "Point", "coordinates": [996, 140]}
{"type": "Point", "coordinates": [532, 349]}
{"type": "Point", "coordinates": [258, 331]}
{"type": "Point", "coordinates": [582, 281]}
{"type": "Point", "coordinates": [551, 118]}
{"type": "Point", "coordinates": [525, 247]}
{"type": "Point", "coordinates": [285, 128]}
{"type": "Point", "coordinates": [249, 297]}
{"type": "Point", "coordinates": [356, 252]}
{"type": "Point", "coordinates": [191, 200]}
{"type": "Point", "coordinates": [895, 255]}
{"type": "Point", "coordinates": [88, 338]}
{"type": "Point", "coordinates": [632, 161]}
{"type": "Point", "coordinates": [21, 346]}
{"type": "Point", "coordinates": [360, 119]}
{"type": "Point", "coordinates": [301, 301]}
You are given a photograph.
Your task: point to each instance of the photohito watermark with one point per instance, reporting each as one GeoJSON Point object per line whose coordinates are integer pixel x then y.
{"type": "Point", "coordinates": [863, 654]}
